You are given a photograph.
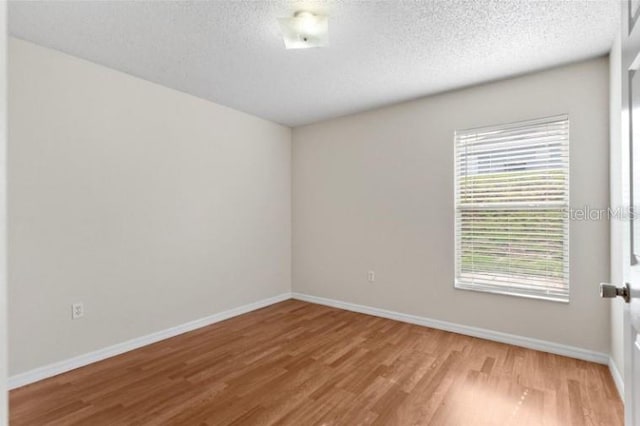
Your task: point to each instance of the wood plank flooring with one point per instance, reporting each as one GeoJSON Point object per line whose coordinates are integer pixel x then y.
{"type": "Point", "coordinates": [296, 363]}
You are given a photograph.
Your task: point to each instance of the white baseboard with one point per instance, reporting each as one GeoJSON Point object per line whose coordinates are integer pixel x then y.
{"type": "Point", "coordinates": [617, 377]}
{"type": "Point", "coordinates": [512, 339]}
{"type": "Point", "coordinates": [117, 349]}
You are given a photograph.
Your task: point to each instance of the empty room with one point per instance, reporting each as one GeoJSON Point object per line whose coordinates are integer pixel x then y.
{"type": "Point", "coordinates": [348, 212]}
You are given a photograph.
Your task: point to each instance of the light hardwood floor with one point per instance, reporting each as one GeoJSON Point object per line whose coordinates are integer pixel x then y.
{"type": "Point", "coordinates": [297, 363]}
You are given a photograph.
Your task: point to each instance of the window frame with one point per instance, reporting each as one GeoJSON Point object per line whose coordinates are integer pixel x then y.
{"type": "Point", "coordinates": [504, 288]}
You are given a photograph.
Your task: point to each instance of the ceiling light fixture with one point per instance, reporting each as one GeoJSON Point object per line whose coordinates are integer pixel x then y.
{"type": "Point", "coordinates": [305, 30]}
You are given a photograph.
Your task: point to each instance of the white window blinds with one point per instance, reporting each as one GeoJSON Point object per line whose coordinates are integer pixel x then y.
{"type": "Point", "coordinates": [512, 202]}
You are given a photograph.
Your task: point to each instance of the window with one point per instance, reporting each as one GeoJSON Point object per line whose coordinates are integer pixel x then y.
{"type": "Point", "coordinates": [512, 202]}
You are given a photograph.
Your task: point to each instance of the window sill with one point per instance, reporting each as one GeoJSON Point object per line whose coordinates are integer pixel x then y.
{"type": "Point", "coordinates": [510, 292]}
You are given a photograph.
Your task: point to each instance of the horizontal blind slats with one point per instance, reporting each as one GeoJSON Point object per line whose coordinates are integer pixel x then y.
{"type": "Point", "coordinates": [512, 199]}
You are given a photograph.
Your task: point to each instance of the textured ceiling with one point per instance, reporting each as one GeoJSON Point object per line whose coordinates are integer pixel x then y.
{"type": "Point", "coordinates": [380, 52]}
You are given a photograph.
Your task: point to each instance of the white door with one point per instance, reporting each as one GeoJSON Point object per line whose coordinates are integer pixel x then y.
{"type": "Point", "coordinates": [3, 169]}
{"type": "Point", "coordinates": [630, 136]}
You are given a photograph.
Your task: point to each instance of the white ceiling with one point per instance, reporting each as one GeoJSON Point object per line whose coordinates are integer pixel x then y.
{"type": "Point", "coordinates": [380, 52]}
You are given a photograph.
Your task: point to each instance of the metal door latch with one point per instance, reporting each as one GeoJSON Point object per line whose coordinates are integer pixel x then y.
{"type": "Point", "coordinates": [610, 291]}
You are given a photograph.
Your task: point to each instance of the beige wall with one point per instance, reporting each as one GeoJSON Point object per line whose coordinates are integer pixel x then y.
{"type": "Point", "coordinates": [374, 191]}
{"type": "Point", "coordinates": [151, 206]}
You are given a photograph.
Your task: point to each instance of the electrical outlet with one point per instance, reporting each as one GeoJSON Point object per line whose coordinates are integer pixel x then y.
{"type": "Point", "coordinates": [371, 276]}
{"type": "Point", "coordinates": [77, 310]}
